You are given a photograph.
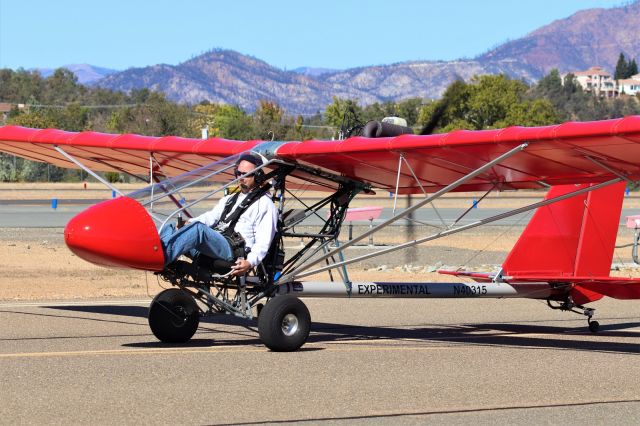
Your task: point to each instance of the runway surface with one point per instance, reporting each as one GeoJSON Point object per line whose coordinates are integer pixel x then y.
{"type": "Point", "coordinates": [367, 361]}
{"type": "Point", "coordinates": [40, 214]}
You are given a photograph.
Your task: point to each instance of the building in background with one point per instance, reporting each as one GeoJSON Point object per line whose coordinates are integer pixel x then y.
{"type": "Point", "coordinates": [629, 86]}
{"type": "Point", "coordinates": [597, 81]}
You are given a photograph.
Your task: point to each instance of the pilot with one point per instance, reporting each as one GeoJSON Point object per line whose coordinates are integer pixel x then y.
{"type": "Point", "coordinates": [210, 232]}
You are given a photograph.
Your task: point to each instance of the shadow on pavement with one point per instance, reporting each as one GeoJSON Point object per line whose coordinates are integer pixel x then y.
{"type": "Point", "coordinates": [515, 335]}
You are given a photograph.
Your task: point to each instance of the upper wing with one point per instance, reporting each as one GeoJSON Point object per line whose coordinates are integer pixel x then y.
{"type": "Point", "coordinates": [555, 155]}
{"type": "Point", "coordinates": [567, 153]}
{"type": "Point", "coordinates": [126, 153]}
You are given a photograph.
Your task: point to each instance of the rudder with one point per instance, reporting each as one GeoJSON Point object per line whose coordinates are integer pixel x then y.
{"type": "Point", "coordinates": [572, 237]}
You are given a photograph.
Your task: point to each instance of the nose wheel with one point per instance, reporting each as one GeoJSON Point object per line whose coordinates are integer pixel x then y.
{"type": "Point", "coordinates": [173, 316]}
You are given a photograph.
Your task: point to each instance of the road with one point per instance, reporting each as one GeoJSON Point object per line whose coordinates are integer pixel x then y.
{"type": "Point", "coordinates": [367, 361]}
{"type": "Point", "coordinates": [39, 214]}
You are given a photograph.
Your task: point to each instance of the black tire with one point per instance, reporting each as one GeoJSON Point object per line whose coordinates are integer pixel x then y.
{"type": "Point", "coordinates": [594, 326]}
{"type": "Point", "coordinates": [173, 316]}
{"type": "Point", "coordinates": [284, 324]}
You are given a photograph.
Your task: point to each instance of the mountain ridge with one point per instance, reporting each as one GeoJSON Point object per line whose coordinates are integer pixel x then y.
{"type": "Point", "coordinates": [85, 73]}
{"type": "Point", "coordinates": [221, 75]}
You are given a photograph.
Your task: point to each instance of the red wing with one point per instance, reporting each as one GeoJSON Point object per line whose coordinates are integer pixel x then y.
{"type": "Point", "coordinates": [107, 152]}
{"type": "Point", "coordinates": [555, 154]}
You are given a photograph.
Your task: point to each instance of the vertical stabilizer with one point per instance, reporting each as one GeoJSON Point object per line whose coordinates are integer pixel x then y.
{"type": "Point", "coordinates": [573, 237]}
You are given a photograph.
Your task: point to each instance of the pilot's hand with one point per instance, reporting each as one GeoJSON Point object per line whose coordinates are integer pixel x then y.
{"type": "Point", "coordinates": [184, 223]}
{"type": "Point", "coordinates": [241, 267]}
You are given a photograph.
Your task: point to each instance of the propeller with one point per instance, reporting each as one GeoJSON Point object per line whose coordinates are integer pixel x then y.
{"type": "Point", "coordinates": [435, 118]}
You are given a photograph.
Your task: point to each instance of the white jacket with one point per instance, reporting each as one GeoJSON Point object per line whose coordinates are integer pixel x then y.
{"type": "Point", "coordinates": [257, 224]}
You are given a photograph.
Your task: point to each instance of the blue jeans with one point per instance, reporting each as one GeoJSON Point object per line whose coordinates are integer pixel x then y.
{"type": "Point", "coordinates": [193, 239]}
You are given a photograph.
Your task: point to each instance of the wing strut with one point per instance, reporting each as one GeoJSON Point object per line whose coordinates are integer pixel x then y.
{"type": "Point", "coordinates": [94, 174]}
{"type": "Point", "coordinates": [609, 169]}
{"type": "Point", "coordinates": [86, 169]}
{"type": "Point", "coordinates": [471, 207]}
{"type": "Point", "coordinates": [454, 230]}
{"type": "Point", "coordinates": [395, 198]}
{"type": "Point", "coordinates": [155, 178]}
{"type": "Point", "coordinates": [406, 212]}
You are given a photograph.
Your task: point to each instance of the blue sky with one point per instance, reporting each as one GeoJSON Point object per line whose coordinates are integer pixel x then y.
{"type": "Point", "coordinates": [287, 34]}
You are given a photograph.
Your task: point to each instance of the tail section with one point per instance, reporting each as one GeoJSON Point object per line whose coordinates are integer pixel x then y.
{"type": "Point", "coordinates": [569, 242]}
{"type": "Point", "coordinates": [571, 238]}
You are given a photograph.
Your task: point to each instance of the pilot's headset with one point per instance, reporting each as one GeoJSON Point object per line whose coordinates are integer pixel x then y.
{"type": "Point", "coordinates": [257, 160]}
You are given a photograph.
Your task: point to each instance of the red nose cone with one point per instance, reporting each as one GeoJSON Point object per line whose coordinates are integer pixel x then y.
{"type": "Point", "coordinates": [117, 232]}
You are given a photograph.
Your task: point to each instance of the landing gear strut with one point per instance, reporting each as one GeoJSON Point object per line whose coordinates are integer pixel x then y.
{"type": "Point", "coordinates": [594, 326]}
{"type": "Point", "coordinates": [568, 305]}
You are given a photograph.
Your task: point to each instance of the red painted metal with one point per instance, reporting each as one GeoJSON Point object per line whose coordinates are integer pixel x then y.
{"type": "Point", "coordinates": [582, 295]}
{"type": "Point", "coordinates": [555, 154]}
{"type": "Point", "coordinates": [624, 291]}
{"type": "Point", "coordinates": [566, 244]}
{"type": "Point", "coordinates": [573, 237]}
{"type": "Point", "coordinates": [570, 243]}
{"type": "Point", "coordinates": [600, 222]}
{"type": "Point", "coordinates": [549, 242]}
{"type": "Point", "coordinates": [116, 232]}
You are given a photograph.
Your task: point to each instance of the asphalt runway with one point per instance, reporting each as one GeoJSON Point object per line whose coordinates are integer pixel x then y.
{"type": "Point", "coordinates": [367, 361]}
{"type": "Point", "coordinates": [40, 214]}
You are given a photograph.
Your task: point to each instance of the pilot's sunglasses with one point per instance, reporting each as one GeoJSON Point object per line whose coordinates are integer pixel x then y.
{"type": "Point", "coordinates": [238, 173]}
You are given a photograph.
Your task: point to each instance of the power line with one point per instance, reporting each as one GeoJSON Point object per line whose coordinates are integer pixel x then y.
{"type": "Point", "coordinates": [26, 105]}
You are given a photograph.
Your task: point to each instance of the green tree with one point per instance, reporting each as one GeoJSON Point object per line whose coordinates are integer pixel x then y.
{"type": "Point", "coordinates": [8, 169]}
{"type": "Point", "coordinates": [72, 117]}
{"type": "Point", "coordinates": [204, 116]}
{"type": "Point", "coordinates": [36, 120]}
{"type": "Point", "coordinates": [374, 111]}
{"type": "Point", "coordinates": [621, 68]}
{"type": "Point", "coordinates": [491, 98]}
{"type": "Point", "coordinates": [268, 121]}
{"type": "Point", "coordinates": [451, 111]}
{"type": "Point", "coordinates": [18, 86]}
{"type": "Point", "coordinates": [62, 87]}
{"type": "Point", "coordinates": [335, 112]}
{"type": "Point", "coordinates": [409, 109]}
{"type": "Point", "coordinates": [632, 69]}
{"type": "Point", "coordinates": [539, 112]}
{"type": "Point", "coordinates": [551, 87]}
{"type": "Point", "coordinates": [155, 117]}
{"type": "Point", "coordinates": [232, 122]}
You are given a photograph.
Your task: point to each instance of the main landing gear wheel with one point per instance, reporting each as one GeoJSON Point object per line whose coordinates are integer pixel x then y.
{"type": "Point", "coordinates": [594, 326]}
{"type": "Point", "coordinates": [173, 316]}
{"type": "Point", "coordinates": [284, 324]}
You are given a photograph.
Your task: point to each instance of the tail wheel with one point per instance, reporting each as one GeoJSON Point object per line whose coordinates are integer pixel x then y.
{"type": "Point", "coordinates": [173, 316]}
{"type": "Point", "coordinates": [284, 324]}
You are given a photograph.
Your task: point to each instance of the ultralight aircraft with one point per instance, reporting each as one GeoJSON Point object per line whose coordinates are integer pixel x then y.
{"type": "Point", "coordinates": [563, 256]}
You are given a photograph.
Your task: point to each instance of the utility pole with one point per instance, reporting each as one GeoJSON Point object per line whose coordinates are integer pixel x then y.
{"type": "Point", "coordinates": [411, 253]}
